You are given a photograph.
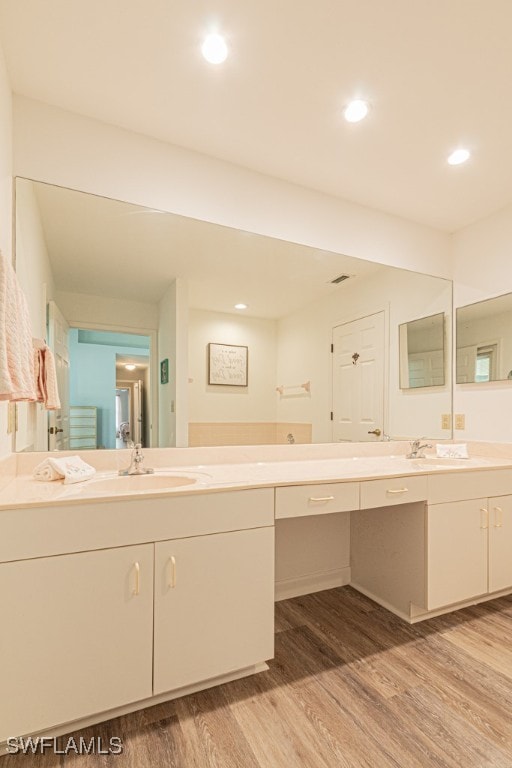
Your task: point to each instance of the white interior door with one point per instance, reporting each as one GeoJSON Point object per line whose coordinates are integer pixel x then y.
{"type": "Point", "coordinates": [58, 341]}
{"type": "Point", "coordinates": [426, 369]}
{"type": "Point", "coordinates": [358, 379]}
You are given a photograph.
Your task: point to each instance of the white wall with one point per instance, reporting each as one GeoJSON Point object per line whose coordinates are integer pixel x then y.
{"type": "Point", "coordinates": [36, 278]}
{"type": "Point", "coordinates": [257, 401]}
{"type": "Point", "coordinates": [5, 207]}
{"type": "Point", "coordinates": [304, 340]}
{"type": "Point", "coordinates": [173, 346]}
{"type": "Point", "coordinates": [32, 262]}
{"type": "Point", "coordinates": [60, 147]}
{"type": "Point", "coordinates": [482, 267]}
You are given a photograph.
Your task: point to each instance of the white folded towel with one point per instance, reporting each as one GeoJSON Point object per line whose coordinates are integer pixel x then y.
{"type": "Point", "coordinates": [457, 451]}
{"type": "Point", "coordinates": [71, 468]}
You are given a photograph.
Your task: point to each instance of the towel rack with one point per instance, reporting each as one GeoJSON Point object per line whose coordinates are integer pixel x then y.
{"type": "Point", "coordinates": [282, 388]}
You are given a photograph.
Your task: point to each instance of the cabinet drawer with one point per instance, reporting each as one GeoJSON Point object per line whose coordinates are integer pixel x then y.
{"type": "Point", "coordinates": [395, 490]}
{"type": "Point", "coordinates": [82, 442]}
{"type": "Point", "coordinates": [82, 431]}
{"type": "Point", "coordinates": [476, 484]}
{"type": "Point", "coordinates": [302, 500]}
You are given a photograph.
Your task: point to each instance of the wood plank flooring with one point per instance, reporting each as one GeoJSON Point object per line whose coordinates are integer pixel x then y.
{"type": "Point", "coordinates": [351, 686]}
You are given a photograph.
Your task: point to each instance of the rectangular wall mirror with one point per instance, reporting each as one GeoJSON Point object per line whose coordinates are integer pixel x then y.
{"type": "Point", "coordinates": [145, 288]}
{"type": "Point", "coordinates": [484, 341]}
{"type": "Point", "coordinates": [422, 352]}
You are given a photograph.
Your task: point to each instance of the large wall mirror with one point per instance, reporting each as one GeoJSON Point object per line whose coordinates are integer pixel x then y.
{"type": "Point", "coordinates": [305, 341]}
{"type": "Point", "coordinates": [484, 341]}
{"type": "Point", "coordinates": [422, 352]}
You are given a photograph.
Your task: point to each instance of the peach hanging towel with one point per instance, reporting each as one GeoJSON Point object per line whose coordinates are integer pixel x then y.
{"type": "Point", "coordinates": [17, 373]}
{"type": "Point", "coordinates": [46, 376]}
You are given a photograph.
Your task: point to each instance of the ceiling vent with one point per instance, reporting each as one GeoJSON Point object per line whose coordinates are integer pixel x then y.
{"type": "Point", "coordinates": [340, 279]}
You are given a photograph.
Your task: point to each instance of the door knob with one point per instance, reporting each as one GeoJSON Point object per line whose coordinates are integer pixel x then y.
{"type": "Point", "coordinates": [376, 432]}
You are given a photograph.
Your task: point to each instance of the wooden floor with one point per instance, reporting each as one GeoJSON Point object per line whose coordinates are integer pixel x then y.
{"type": "Point", "coordinates": [351, 686]}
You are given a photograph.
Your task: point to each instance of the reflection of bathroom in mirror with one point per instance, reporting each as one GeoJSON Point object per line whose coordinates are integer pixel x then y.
{"type": "Point", "coordinates": [484, 341]}
{"type": "Point", "coordinates": [422, 352]}
{"type": "Point", "coordinates": [170, 285]}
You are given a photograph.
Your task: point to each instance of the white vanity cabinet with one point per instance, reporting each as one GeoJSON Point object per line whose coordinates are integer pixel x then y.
{"type": "Point", "coordinates": [76, 636]}
{"type": "Point", "coordinates": [469, 546]}
{"type": "Point", "coordinates": [456, 552]}
{"type": "Point", "coordinates": [167, 592]}
{"type": "Point", "coordinates": [214, 606]}
{"type": "Point", "coordinates": [500, 543]}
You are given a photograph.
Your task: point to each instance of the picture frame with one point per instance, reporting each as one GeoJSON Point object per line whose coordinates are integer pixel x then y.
{"type": "Point", "coordinates": [164, 371]}
{"type": "Point", "coordinates": [228, 365]}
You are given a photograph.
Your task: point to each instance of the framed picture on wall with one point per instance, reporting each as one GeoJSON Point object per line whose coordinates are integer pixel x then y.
{"type": "Point", "coordinates": [164, 371]}
{"type": "Point", "coordinates": [227, 365]}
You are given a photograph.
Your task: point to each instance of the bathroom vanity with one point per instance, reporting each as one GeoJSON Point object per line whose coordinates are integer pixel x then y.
{"type": "Point", "coordinates": [115, 597]}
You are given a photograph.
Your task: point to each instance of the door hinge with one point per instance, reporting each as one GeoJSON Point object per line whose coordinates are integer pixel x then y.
{"type": "Point", "coordinates": [332, 349]}
{"type": "Point", "coordinates": [332, 416]}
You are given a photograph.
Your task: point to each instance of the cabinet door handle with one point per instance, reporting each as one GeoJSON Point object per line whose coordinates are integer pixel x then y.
{"type": "Point", "coordinates": [484, 518]}
{"type": "Point", "coordinates": [498, 517]}
{"type": "Point", "coordinates": [397, 490]}
{"type": "Point", "coordinates": [321, 498]}
{"type": "Point", "coordinates": [172, 580]}
{"type": "Point", "coordinates": [136, 589]}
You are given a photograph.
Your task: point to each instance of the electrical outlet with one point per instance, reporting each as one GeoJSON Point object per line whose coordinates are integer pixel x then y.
{"type": "Point", "coordinates": [460, 421]}
{"type": "Point", "coordinates": [446, 421]}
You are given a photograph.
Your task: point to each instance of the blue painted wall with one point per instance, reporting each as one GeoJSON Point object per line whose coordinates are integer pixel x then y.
{"type": "Point", "coordinates": [92, 381]}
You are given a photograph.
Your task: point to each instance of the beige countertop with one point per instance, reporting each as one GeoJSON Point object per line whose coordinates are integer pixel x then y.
{"type": "Point", "coordinates": [22, 490]}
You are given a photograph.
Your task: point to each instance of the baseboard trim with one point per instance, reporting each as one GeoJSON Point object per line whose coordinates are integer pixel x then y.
{"type": "Point", "coordinates": [76, 725]}
{"type": "Point", "coordinates": [381, 602]}
{"type": "Point", "coordinates": [313, 582]}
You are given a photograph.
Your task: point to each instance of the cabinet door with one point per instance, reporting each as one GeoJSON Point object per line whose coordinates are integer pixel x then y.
{"type": "Point", "coordinates": [500, 543]}
{"type": "Point", "coordinates": [214, 606]}
{"type": "Point", "coordinates": [76, 636]}
{"type": "Point", "coordinates": [456, 551]}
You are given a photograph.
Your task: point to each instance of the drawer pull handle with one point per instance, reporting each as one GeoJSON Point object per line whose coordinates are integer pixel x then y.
{"type": "Point", "coordinates": [397, 490]}
{"type": "Point", "coordinates": [136, 589]}
{"type": "Point", "coordinates": [498, 517]}
{"type": "Point", "coordinates": [321, 498]}
{"type": "Point", "coordinates": [172, 580]}
{"type": "Point", "coordinates": [484, 519]}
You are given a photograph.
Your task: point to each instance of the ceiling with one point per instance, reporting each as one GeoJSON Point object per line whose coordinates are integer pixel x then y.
{"type": "Point", "coordinates": [437, 74]}
{"type": "Point", "coordinates": [114, 249]}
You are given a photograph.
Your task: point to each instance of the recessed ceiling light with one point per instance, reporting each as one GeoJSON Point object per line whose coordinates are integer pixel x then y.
{"type": "Point", "coordinates": [214, 49]}
{"type": "Point", "coordinates": [130, 367]}
{"type": "Point", "coordinates": [240, 306]}
{"type": "Point", "coordinates": [356, 111]}
{"type": "Point", "coordinates": [459, 156]}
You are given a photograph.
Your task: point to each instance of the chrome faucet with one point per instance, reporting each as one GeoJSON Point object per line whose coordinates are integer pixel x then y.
{"type": "Point", "coordinates": [416, 450]}
{"type": "Point", "coordinates": [136, 462]}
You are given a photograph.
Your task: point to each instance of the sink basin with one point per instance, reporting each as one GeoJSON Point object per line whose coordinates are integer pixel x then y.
{"type": "Point", "coordinates": [435, 462]}
{"type": "Point", "coordinates": [134, 483]}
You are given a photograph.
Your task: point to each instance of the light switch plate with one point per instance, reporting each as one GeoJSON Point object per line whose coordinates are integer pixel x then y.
{"type": "Point", "coordinates": [460, 421]}
{"type": "Point", "coordinates": [446, 421]}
